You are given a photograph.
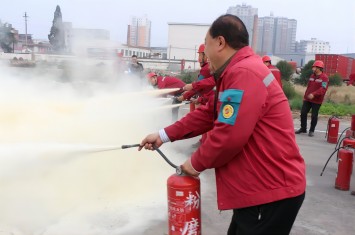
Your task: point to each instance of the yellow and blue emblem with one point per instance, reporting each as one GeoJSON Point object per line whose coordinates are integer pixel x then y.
{"type": "Point", "coordinates": [227, 111]}
{"type": "Point", "coordinates": [231, 100]}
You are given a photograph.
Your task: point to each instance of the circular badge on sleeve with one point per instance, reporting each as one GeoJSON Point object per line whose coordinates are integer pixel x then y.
{"type": "Point", "coordinates": [227, 111]}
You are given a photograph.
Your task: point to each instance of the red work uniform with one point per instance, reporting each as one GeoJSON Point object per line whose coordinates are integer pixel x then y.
{"type": "Point", "coordinates": [202, 87]}
{"type": "Point", "coordinates": [251, 143]}
{"type": "Point", "coordinates": [351, 79]}
{"type": "Point", "coordinates": [318, 86]}
{"type": "Point", "coordinates": [276, 72]}
{"type": "Point", "coordinates": [170, 82]}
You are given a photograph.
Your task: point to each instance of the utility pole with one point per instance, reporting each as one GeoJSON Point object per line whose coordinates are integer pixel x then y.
{"type": "Point", "coordinates": [26, 16]}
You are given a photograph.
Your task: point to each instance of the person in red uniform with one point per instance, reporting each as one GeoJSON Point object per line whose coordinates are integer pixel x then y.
{"type": "Point", "coordinates": [351, 80]}
{"type": "Point", "coordinates": [165, 83]}
{"type": "Point", "coordinates": [260, 173]}
{"type": "Point", "coordinates": [203, 90]}
{"type": "Point", "coordinates": [275, 71]}
{"type": "Point", "coordinates": [313, 98]}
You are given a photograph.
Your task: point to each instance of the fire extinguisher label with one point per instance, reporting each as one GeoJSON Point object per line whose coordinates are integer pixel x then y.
{"type": "Point", "coordinates": [333, 125]}
{"type": "Point", "coordinates": [184, 213]}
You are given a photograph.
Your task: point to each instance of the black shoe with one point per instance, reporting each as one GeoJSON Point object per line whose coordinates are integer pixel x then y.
{"type": "Point", "coordinates": [311, 133]}
{"type": "Point", "coordinates": [299, 131]}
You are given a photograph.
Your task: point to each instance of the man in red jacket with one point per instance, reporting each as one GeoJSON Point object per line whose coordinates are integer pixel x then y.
{"type": "Point", "coordinates": [201, 91]}
{"type": "Point", "coordinates": [275, 71]}
{"type": "Point", "coordinates": [165, 83]}
{"type": "Point", "coordinates": [204, 92]}
{"type": "Point", "coordinates": [351, 80]}
{"type": "Point", "coordinates": [313, 97]}
{"type": "Point", "coordinates": [260, 174]}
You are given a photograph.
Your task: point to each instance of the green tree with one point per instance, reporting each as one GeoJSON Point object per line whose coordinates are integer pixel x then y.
{"type": "Point", "coordinates": [285, 70]}
{"type": "Point", "coordinates": [305, 74]}
{"type": "Point", "coordinates": [335, 80]}
{"type": "Point", "coordinates": [7, 37]}
{"type": "Point", "coordinates": [56, 36]}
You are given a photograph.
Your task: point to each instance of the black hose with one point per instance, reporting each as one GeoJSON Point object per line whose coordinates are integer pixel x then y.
{"type": "Point", "coordinates": [165, 158]}
{"type": "Point", "coordinates": [155, 148]}
{"type": "Point", "coordinates": [339, 141]}
{"type": "Point", "coordinates": [329, 159]}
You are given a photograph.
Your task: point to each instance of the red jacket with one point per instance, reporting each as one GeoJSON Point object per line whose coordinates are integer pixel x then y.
{"type": "Point", "coordinates": [252, 143]}
{"type": "Point", "coordinates": [202, 87]}
{"type": "Point", "coordinates": [351, 79]}
{"type": "Point", "coordinates": [170, 82]}
{"type": "Point", "coordinates": [318, 86]}
{"type": "Point", "coordinates": [204, 72]}
{"type": "Point", "coordinates": [276, 72]}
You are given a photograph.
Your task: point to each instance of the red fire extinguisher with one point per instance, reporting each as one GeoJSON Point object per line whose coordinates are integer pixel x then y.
{"type": "Point", "coordinates": [184, 200]}
{"type": "Point", "coordinates": [184, 205]}
{"type": "Point", "coordinates": [352, 127]}
{"type": "Point", "coordinates": [345, 165]}
{"type": "Point", "coordinates": [332, 130]}
{"type": "Point", "coordinates": [349, 143]}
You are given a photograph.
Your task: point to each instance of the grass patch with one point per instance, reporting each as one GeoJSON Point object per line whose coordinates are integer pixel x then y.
{"type": "Point", "coordinates": [328, 108]}
{"type": "Point", "coordinates": [338, 101]}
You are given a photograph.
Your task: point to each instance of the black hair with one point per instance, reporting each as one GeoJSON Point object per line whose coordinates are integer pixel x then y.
{"type": "Point", "coordinates": [134, 56]}
{"type": "Point", "coordinates": [232, 29]}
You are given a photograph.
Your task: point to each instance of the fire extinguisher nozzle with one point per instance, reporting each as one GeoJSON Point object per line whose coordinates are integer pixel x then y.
{"type": "Point", "coordinates": [130, 146]}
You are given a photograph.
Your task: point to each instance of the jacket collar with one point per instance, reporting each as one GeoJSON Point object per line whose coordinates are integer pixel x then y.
{"type": "Point", "coordinates": [239, 55]}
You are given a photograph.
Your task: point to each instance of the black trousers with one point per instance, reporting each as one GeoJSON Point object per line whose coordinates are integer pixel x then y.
{"type": "Point", "coordinates": [314, 118]}
{"type": "Point", "coordinates": [275, 218]}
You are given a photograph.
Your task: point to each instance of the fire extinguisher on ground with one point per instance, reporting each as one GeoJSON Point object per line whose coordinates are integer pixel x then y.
{"type": "Point", "coordinates": [332, 130]}
{"type": "Point", "coordinates": [345, 165]}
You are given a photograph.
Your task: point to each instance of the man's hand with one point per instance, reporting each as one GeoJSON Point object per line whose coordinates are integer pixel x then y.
{"type": "Point", "coordinates": [188, 169]}
{"type": "Point", "coordinates": [150, 141]}
{"type": "Point", "coordinates": [194, 100]}
{"type": "Point", "coordinates": [180, 98]}
{"type": "Point", "coordinates": [310, 96]}
{"type": "Point", "coordinates": [188, 87]}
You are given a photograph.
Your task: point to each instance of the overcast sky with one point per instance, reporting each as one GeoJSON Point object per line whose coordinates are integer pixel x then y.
{"type": "Point", "coordinates": [327, 20]}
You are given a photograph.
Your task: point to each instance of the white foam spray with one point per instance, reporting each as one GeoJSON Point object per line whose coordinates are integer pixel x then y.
{"type": "Point", "coordinates": [53, 179]}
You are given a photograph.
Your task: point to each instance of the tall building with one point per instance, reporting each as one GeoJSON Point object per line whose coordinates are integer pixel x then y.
{"type": "Point", "coordinates": [266, 28]}
{"type": "Point", "coordinates": [276, 35]}
{"type": "Point", "coordinates": [139, 32]}
{"type": "Point", "coordinates": [249, 16]}
{"type": "Point", "coordinates": [314, 46]}
{"type": "Point", "coordinates": [285, 35]}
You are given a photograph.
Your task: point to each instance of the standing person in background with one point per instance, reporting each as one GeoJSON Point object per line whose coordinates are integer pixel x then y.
{"type": "Point", "coordinates": [351, 80]}
{"type": "Point", "coordinates": [161, 82]}
{"type": "Point", "coordinates": [135, 67]}
{"type": "Point", "coordinates": [275, 71]}
{"type": "Point", "coordinates": [313, 98]}
{"type": "Point", "coordinates": [249, 118]}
